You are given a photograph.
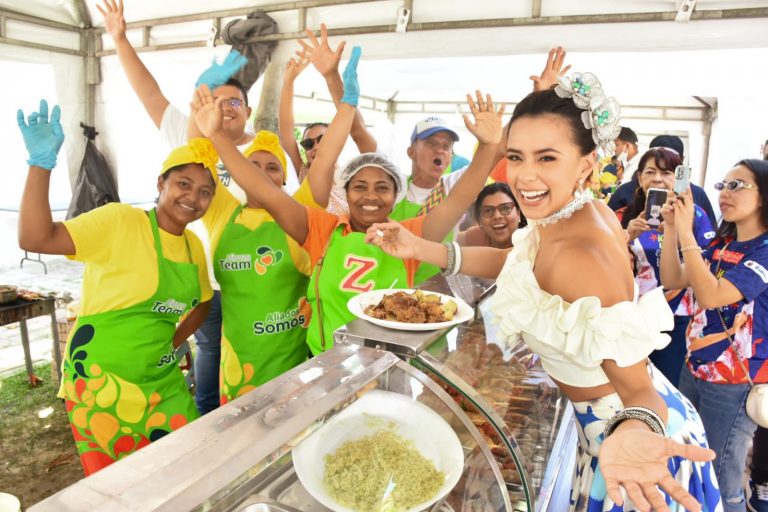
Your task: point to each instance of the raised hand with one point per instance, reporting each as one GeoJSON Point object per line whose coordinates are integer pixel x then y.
{"type": "Point", "coordinates": [684, 211]}
{"type": "Point", "coordinates": [323, 58]}
{"type": "Point", "coordinates": [636, 459]}
{"type": "Point", "coordinates": [393, 239]}
{"type": "Point", "coordinates": [42, 138]}
{"type": "Point", "coordinates": [351, 85]}
{"type": "Point", "coordinates": [553, 70]}
{"type": "Point", "coordinates": [217, 74]}
{"type": "Point", "coordinates": [207, 111]}
{"type": "Point", "coordinates": [668, 211]}
{"type": "Point", "coordinates": [294, 67]}
{"type": "Point", "coordinates": [636, 226]}
{"type": "Point", "coordinates": [114, 21]}
{"type": "Point", "coordinates": [487, 127]}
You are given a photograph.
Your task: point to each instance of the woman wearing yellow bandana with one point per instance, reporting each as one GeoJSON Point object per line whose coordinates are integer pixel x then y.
{"type": "Point", "coordinates": [263, 275]}
{"type": "Point", "coordinates": [143, 272]}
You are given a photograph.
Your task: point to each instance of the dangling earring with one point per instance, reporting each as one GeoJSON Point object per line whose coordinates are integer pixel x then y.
{"type": "Point", "coordinates": [579, 192]}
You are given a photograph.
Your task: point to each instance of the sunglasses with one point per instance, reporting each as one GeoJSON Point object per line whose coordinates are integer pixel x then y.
{"type": "Point", "coordinates": [734, 185]}
{"type": "Point", "coordinates": [504, 209]}
{"type": "Point", "coordinates": [308, 144]}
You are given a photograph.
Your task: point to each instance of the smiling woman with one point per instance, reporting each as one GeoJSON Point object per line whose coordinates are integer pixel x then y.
{"type": "Point", "coordinates": [144, 271]}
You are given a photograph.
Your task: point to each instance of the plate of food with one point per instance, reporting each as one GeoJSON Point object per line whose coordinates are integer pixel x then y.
{"type": "Point", "coordinates": [410, 310]}
{"type": "Point", "coordinates": [383, 453]}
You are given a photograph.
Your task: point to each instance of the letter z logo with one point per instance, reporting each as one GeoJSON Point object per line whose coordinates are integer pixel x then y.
{"type": "Point", "coordinates": [356, 281]}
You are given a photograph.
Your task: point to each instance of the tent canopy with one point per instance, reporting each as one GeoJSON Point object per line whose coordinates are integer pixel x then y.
{"type": "Point", "coordinates": [693, 77]}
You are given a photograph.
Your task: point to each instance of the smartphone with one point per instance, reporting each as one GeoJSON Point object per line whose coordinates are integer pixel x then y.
{"type": "Point", "coordinates": [682, 178]}
{"type": "Point", "coordinates": [654, 200]}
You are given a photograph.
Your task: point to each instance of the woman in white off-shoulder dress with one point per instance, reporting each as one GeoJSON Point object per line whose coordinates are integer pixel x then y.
{"type": "Point", "coordinates": [566, 288]}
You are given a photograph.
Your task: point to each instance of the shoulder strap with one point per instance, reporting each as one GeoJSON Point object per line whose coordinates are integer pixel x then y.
{"type": "Point", "coordinates": [725, 327]}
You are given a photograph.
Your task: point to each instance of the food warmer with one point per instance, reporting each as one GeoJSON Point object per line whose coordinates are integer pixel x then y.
{"type": "Point", "coordinates": [240, 457]}
{"type": "Point", "coordinates": [526, 421]}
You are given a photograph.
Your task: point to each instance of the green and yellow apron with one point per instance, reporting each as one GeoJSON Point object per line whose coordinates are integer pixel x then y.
{"type": "Point", "coordinates": [122, 386]}
{"type": "Point", "coordinates": [264, 309]}
{"type": "Point", "coordinates": [349, 267]}
{"type": "Point", "coordinates": [405, 209]}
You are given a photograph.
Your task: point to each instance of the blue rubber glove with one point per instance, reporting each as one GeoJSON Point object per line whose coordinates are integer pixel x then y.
{"type": "Point", "coordinates": [351, 85]}
{"type": "Point", "coordinates": [42, 138]}
{"type": "Point", "coordinates": [218, 74]}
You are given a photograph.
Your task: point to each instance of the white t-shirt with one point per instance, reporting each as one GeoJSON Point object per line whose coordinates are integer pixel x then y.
{"type": "Point", "coordinates": [173, 130]}
{"type": "Point", "coordinates": [419, 195]}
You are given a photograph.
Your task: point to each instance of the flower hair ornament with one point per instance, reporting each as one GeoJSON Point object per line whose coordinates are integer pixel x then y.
{"type": "Point", "coordinates": [601, 114]}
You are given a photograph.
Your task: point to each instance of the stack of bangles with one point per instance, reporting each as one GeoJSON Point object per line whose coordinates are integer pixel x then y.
{"type": "Point", "coordinates": [643, 414]}
{"type": "Point", "coordinates": [454, 259]}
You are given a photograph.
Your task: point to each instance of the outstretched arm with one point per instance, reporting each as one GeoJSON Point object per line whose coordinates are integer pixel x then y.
{"type": "Point", "coordinates": [290, 214]}
{"type": "Point", "coordinates": [397, 241]}
{"type": "Point", "coordinates": [326, 61]}
{"type": "Point", "coordinates": [285, 112]}
{"type": "Point", "coordinates": [487, 129]}
{"type": "Point", "coordinates": [142, 82]}
{"type": "Point", "coordinates": [43, 139]}
{"type": "Point", "coordinates": [320, 174]}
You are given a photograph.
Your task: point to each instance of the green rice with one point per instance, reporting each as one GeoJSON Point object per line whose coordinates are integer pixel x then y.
{"type": "Point", "coordinates": [381, 472]}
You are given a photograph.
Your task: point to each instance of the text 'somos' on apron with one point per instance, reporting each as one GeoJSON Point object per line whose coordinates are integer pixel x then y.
{"type": "Point", "coordinates": [349, 267]}
{"type": "Point", "coordinates": [265, 312]}
{"type": "Point", "coordinates": [122, 386]}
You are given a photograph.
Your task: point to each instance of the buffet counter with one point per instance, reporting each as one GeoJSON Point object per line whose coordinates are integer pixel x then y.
{"type": "Point", "coordinates": [244, 456]}
{"type": "Point", "coordinates": [524, 419]}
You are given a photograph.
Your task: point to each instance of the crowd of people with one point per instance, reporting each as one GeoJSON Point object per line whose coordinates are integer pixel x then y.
{"type": "Point", "coordinates": [650, 324]}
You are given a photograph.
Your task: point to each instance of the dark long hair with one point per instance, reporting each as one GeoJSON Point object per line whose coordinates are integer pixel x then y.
{"type": "Point", "coordinates": [662, 158]}
{"type": "Point", "coordinates": [540, 103]}
{"type": "Point", "coordinates": [495, 188]}
{"type": "Point", "coordinates": [759, 170]}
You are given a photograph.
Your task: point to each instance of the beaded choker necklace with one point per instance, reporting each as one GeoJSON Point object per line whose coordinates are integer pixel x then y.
{"type": "Point", "coordinates": [577, 203]}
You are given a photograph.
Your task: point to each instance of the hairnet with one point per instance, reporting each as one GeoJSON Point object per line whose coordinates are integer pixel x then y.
{"type": "Point", "coordinates": [373, 160]}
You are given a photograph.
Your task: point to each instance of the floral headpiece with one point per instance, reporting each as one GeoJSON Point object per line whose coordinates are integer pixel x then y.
{"type": "Point", "coordinates": [601, 114]}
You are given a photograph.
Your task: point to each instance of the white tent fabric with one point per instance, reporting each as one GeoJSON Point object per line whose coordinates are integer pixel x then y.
{"type": "Point", "coordinates": [662, 63]}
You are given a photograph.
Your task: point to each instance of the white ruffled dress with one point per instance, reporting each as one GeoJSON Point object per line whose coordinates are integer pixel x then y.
{"type": "Point", "coordinates": [572, 340]}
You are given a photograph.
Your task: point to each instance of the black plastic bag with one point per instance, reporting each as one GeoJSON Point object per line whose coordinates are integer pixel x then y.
{"type": "Point", "coordinates": [244, 35]}
{"type": "Point", "coordinates": [95, 184]}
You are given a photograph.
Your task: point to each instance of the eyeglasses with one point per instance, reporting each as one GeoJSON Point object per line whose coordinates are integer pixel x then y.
{"type": "Point", "coordinates": [308, 144]}
{"type": "Point", "coordinates": [234, 102]}
{"type": "Point", "coordinates": [734, 185]}
{"type": "Point", "coordinates": [504, 209]}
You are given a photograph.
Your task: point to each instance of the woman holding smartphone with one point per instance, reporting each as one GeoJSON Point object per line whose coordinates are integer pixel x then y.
{"type": "Point", "coordinates": [656, 174]}
{"type": "Point", "coordinates": [728, 330]}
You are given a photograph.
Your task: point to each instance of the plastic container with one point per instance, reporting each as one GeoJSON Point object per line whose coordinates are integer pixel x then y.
{"type": "Point", "coordinates": [9, 503]}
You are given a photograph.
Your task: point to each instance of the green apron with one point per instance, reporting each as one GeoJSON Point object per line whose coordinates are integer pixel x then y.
{"type": "Point", "coordinates": [408, 210]}
{"type": "Point", "coordinates": [122, 385]}
{"type": "Point", "coordinates": [265, 313]}
{"type": "Point", "coordinates": [349, 267]}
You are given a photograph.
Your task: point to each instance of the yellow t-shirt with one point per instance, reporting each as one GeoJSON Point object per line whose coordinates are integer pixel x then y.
{"type": "Point", "coordinates": [116, 244]}
{"type": "Point", "coordinates": [224, 204]}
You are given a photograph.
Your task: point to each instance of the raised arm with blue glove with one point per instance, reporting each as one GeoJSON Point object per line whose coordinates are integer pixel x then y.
{"type": "Point", "coordinates": [42, 137]}
{"type": "Point", "coordinates": [351, 85]}
{"type": "Point", "coordinates": [217, 74]}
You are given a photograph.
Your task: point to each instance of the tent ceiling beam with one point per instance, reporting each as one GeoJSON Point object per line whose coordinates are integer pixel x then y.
{"type": "Point", "coordinates": [536, 8]}
{"type": "Point", "coordinates": [649, 17]}
{"type": "Point", "coordinates": [39, 46]}
{"type": "Point", "coordinates": [82, 12]}
{"type": "Point", "coordinates": [34, 20]}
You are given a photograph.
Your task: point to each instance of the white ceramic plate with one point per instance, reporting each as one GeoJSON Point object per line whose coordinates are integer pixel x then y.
{"type": "Point", "coordinates": [358, 303]}
{"type": "Point", "coordinates": [429, 432]}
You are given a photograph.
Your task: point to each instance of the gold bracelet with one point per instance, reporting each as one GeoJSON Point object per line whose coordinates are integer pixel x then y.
{"type": "Point", "coordinates": [690, 248]}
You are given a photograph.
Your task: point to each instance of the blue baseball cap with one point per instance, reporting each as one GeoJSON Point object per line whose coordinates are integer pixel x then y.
{"type": "Point", "coordinates": [429, 126]}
